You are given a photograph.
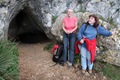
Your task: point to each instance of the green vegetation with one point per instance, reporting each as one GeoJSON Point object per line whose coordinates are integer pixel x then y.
{"type": "Point", "coordinates": [100, 17]}
{"type": "Point", "coordinates": [77, 58]}
{"type": "Point", "coordinates": [1, 0]}
{"type": "Point", "coordinates": [111, 21]}
{"type": "Point", "coordinates": [49, 46]}
{"type": "Point", "coordinates": [104, 49]}
{"type": "Point", "coordinates": [54, 18]}
{"type": "Point", "coordinates": [8, 61]}
{"type": "Point", "coordinates": [81, 10]}
{"type": "Point", "coordinates": [112, 3]}
{"type": "Point", "coordinates": [80, 1]}
{"type": "Point", "coordinates": [111, 71]}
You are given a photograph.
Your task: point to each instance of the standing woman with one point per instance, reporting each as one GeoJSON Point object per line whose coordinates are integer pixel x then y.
{"type": "Point", "coordinates": [87, 36]}
{"type": "Point", "coordinates": [69, 37]}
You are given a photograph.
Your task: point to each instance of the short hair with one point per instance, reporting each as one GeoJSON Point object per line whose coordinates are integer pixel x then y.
{"type": "Point", "coordinates": [69, 9]}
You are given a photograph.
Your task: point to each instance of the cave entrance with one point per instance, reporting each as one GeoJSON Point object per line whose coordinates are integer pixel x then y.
{"type": "Point", "coordinates": [23, 28]}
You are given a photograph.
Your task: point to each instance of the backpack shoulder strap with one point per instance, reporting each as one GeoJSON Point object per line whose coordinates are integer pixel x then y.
{"type": "Point", "coordinates": [86, 24]}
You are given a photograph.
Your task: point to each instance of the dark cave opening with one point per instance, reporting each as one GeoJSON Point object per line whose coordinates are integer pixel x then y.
{"type": "Point", "coordinates": [23, 28]}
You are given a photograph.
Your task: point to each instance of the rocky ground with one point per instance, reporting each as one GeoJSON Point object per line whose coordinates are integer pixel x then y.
{"type": "Point", "coordinates": [36, 64]}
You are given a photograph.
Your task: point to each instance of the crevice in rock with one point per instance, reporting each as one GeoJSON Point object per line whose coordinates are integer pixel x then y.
{"type": "Point", "coordinates": [23, 28]}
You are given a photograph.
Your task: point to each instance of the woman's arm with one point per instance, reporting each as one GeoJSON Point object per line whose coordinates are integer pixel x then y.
{"type": "Point", "coordinates": [63, 27]}
{"type": "Point", "coordinates": [103, 31]}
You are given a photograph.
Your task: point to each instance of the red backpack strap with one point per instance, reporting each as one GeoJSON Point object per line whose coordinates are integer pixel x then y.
{"type": "Point", "coordinates": [54, 48]}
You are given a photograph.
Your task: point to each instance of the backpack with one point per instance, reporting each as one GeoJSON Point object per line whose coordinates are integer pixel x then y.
{"type": "Point", "coordinates": [57, 55]}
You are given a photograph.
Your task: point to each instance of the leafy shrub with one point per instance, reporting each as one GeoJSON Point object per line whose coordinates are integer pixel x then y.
{"type": "Point", "coordinates": [48, 46]}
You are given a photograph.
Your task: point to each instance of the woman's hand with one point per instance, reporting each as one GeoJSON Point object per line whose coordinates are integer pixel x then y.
{"type": "Point", "coordinates": [68, 32]}
{"type": "Point", "coordinates": [82, 41]}
{"type": "Point", "coordinates": [113, 32]}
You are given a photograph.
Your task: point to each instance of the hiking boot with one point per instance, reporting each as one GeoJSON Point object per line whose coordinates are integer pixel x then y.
{"type": "Point", "coordinates": [69, 65]}
{"type": "Point", "coordinates": [63, 64]}
{"type": "Point", "coordinates": [85, 73]}
{"type": "Point", "coordinates": [90, 71]}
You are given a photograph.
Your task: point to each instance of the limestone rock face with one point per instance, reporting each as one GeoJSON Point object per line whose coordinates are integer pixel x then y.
{"type": "Point", "coordinates": [109, 48]}
{"type": "Point", "coordinates": [3, 12]}
{"type": "Point", "coordinates": [108, 9]}
{"type": "Point", "coordinates": [21, 16]}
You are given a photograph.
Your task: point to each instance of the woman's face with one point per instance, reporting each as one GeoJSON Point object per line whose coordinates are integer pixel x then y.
{"type": "Point", "coordinates": [69, 12]}
{"type": "Point", "coordinates": [91, 20]}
